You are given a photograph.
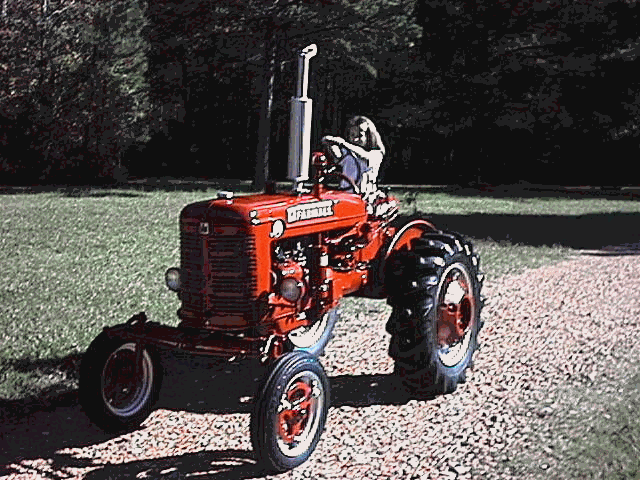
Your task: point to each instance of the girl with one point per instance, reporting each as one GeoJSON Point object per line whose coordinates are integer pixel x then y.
{"type": "Point", "coordinates": [361, 154]}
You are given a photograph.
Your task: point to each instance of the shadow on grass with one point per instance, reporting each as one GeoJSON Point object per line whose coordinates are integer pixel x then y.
{"type": "Point", "coordinates": [90, 193]}
{"type": "Point", "coordinates": [545, 191]}
{"type": "Point", "coordinates": [171, 184]}
{"type": "Point", "coordinates": [52, 395]}
{"type": "Point", "coordinates": [132, 189]}
{"type": "Point", "coordinates": [190, 384]}
{"type": "Point", "coordinates": [608, 232]}
{"type": "Point", "coordinates": [75, 191]}
{"type": "Point", "coordinates": [584, 232]}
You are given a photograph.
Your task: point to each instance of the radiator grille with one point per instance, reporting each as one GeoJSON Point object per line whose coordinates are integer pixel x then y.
{"type": "Point", "coordinates": [192, 271]}
{"type": "Point", "coordinates": [219, 273]}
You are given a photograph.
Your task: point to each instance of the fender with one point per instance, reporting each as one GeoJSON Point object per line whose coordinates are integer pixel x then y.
{"type": "Point", "coordinates": [405, 228]}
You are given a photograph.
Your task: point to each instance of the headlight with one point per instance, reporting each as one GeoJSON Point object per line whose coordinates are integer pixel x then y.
{"type": "Point", "coordinates": [172, 279]}
{"type": "Point", "coordinates": [291, 289]}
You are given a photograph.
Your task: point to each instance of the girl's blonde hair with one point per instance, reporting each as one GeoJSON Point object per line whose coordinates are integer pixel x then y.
{"type": "Point", "coordinates": [374, 141]}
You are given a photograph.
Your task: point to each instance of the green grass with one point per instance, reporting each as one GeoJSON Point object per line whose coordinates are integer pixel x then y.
{"type": "Point", "coordinates": [607, 437]}
{"type": "Point", "coordinates": [550, 204]}
{"type": "Point", "coordinates": [598, 435]}
{"type": "Point", "coordinates": [72, 264]}
{"type": "Point", "coordinates": [527, 232]}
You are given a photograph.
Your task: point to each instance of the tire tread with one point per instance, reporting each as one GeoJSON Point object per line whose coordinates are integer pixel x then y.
{"type": "Point", "coordinates": [410, 326]}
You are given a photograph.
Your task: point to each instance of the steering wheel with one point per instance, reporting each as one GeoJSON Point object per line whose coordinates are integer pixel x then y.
{"type": "Point", "coordinates": [333, 160]}
{"type": "Point", "coordinates": [334, 164]}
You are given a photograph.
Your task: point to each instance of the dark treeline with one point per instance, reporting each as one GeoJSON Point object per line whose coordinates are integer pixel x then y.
{"type": "Point", "coordinates": [73, 93]}
{"type": "Point", "coordinates": [494, 91]}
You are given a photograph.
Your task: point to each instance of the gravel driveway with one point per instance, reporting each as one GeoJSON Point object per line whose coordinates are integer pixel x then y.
{"type": "Point", "coordinates": [554, 338]}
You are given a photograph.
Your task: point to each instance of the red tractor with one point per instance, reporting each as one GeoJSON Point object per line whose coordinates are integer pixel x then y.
{"type": "Point", "coordinates": [261, 277]}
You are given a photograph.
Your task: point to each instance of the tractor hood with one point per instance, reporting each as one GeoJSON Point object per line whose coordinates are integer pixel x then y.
{"type": "Point", "coordinates": [288, 214]}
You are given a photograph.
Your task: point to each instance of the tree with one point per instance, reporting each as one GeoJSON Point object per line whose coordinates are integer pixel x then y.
{"type": "Point", "coordinates": [499, 75]}
{"type": "Point", "coordinates": [72, 82]}
{"type": "Point", "coordinates": [257, 40]}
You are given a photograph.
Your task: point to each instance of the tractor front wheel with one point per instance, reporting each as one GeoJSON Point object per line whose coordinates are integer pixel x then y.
{"type": "Point", "coordinates": [290, 412]}
{"type": "Point", "coordinates": [119, 383]}
{"type": "Point", "coordinates": [434, 289]}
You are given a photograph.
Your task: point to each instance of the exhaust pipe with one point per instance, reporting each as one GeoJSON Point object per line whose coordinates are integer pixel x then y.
{"type": "Point", "coordinates": [300, 123]}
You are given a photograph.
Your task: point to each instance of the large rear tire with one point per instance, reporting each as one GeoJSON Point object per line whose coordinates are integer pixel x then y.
{"type": "Point", "coordinates": [290, 412]}
{"type": "Point", "coordinates": [434, 289]}
{"type": "Point", "coordinates": [119, 383]}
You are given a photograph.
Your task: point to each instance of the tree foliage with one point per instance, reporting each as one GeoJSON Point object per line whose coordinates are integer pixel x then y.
{"type": "Point", "coordinates": [72, 92]}
{"type": "Point", "coordinates": [473, 89]}
{"type": "Point", "coordinates": [205, 46]}
{"type": "Point", "coordinates": [538, 82]}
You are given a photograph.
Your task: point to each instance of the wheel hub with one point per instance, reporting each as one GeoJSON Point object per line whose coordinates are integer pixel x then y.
{"type": "Point", "coordinates": [295, 412]}
{"type": "Point", "coordinates": [455, 315]}
{"type": "Point", "coordinates": [299, 414]}
{"type": "Point", "coordinates": [126, 380]}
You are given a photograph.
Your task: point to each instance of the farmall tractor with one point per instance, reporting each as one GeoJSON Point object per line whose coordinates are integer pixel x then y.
{"type": "Point", "coordinates": [261, 277]}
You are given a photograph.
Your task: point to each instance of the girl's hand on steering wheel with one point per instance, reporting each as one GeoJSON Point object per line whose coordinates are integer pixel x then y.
{"type": "Point", "coordinates": [332, 139]}
{"type": "Point", "coordinates": [332, 148]}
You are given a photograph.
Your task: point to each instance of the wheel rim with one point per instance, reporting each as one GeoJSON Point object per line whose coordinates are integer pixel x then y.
{"type": "Point", "coordinates": [456, 315]}
{"type": "Point", "coordinates": [307, 337]}
{"type": "Point", "coordinates": [299, 414]}
{"type": "Point", "coordinates": [125, 388]}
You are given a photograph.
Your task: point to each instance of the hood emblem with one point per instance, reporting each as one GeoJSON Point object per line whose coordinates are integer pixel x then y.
{"type": "Point", "coordinates": [308, 211]}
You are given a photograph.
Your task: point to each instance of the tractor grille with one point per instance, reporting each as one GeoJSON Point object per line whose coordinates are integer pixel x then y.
{"type": "Point", "coordinates": [218, 272]}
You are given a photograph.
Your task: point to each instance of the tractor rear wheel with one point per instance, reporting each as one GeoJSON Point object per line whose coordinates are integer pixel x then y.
{"type": "Point", "coordinates": [434, 289]}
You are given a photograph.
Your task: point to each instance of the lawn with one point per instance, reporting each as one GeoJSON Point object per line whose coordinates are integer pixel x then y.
{"type": "Point", "coordinates": [75, 262]}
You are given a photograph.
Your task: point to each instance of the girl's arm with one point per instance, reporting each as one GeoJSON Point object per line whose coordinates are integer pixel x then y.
{"type": "Point", "coordinates": [373, 157]}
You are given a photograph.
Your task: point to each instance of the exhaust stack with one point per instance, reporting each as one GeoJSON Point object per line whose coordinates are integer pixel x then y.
{"type": "Point", "coordinates": [300, 123]}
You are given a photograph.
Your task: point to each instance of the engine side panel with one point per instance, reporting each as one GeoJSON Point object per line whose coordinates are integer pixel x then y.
{"type": "Point", "coordinates": [227, 246]}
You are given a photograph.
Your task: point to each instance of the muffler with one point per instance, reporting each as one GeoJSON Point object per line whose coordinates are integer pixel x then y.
{"type": "Point", "coordinates": [300, 123]}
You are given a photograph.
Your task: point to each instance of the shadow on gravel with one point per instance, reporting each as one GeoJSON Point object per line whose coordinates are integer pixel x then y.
{"type": "Point", "coordinates": [368, 390]}
{"type": "Point", "coordinates": [42, 434]}
{"type": "Point", "coordinates": [46, 434]}
{"type": "Point", "coordinates": [190, 384]}
{"type": "Point", "coordinates": [210, 465]}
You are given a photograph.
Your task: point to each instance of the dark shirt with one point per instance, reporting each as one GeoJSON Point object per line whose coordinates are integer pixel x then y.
{"type": "Point", "coordinates": [353, 166]}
